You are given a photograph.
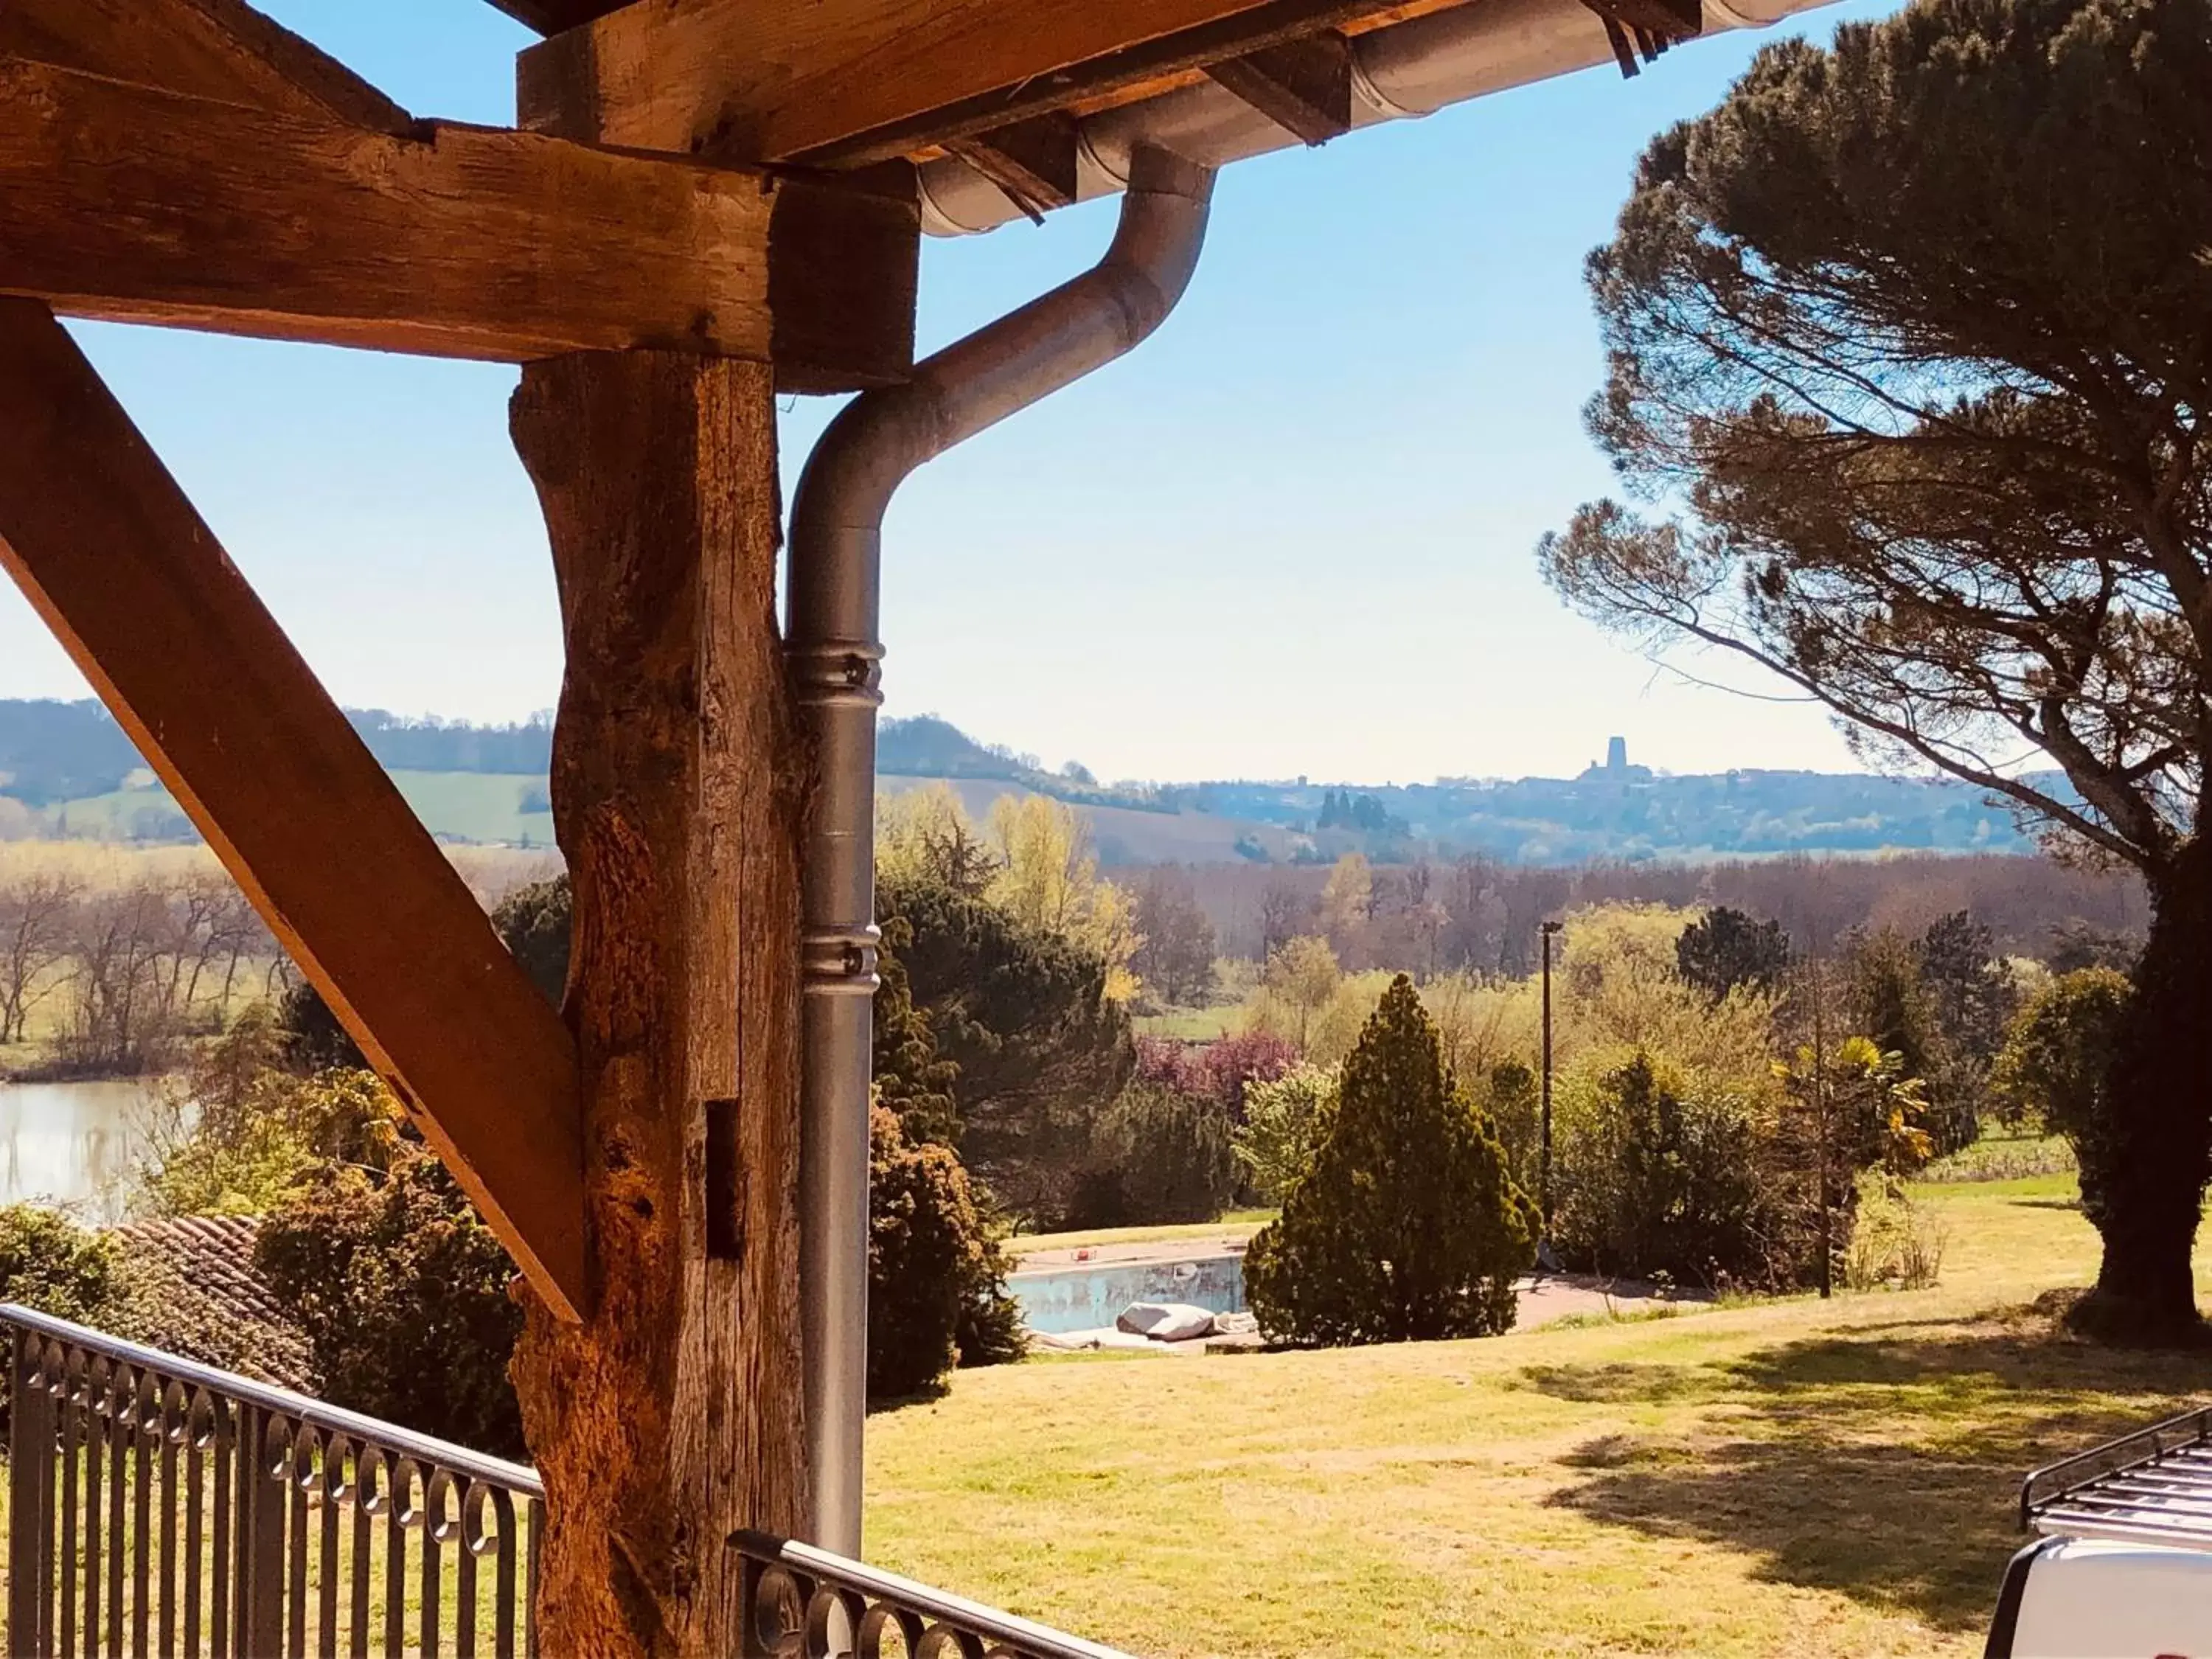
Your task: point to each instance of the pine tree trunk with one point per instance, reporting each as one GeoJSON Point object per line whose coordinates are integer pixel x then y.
{"type": "Point", "coordinates": [2143, 1177]}
{"type": "Point", "coordinates": [672, 1417]}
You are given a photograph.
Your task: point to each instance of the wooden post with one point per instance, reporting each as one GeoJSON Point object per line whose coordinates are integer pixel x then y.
{"type": "Point", "coordinates": [673, 1416]}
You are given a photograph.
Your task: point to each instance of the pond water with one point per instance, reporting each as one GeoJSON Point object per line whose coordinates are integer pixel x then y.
{"type": "Point", "coordinates": [71, 1143]}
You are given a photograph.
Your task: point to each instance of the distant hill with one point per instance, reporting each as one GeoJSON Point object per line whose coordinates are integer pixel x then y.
{"type": "Point", "coordinates": [66, 767]}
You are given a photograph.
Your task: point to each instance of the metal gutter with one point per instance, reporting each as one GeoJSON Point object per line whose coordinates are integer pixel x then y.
{"type": "Point", "coordinates": [835, 656]}
{"type": "Point", "coordinates": [1405, 71]}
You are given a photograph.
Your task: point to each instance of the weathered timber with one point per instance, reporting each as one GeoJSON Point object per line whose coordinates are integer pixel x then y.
{"type": "Point", "coordinates": [111, 554]}
{"type": "Point", "coordinates": [674, 1416]}
{"type": "Point", "coordinates": [844, 266]}
{"type": "Point", "coordinates": [1304, 87]}
{"type": "Point", "coordinates": [1034, 161]}
{"type": "Point", "coordinates": [848, 83]}
{"type": "Point", "coordinates": [136, 203]}
{"type": "Point", "coordinates": [141, 205]}
{"type": "Point", "coordinates": [220, 49]}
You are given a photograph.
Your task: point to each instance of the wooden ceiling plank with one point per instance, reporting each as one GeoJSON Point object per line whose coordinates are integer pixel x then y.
{"type": "Point", "coordinates": [136, 204]}
{"type": "Point", "coordinates": [111, 554]}
{"type": "Point", "coordinates": [1303, 87]}
{"type": "Point", "coordinates": [848, 83]}
{"type": "Point", "coordinates": [218, 49]}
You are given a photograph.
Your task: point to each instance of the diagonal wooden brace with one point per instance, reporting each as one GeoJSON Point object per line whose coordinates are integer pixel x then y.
{"type": "Point", "coordinates": [110, 552]}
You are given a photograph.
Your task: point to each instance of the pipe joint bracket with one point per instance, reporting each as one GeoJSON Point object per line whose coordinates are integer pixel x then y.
{"type": "Point", "coordinates": [837, 673]}
{"type": "Point", "coordinates": [836, 962]}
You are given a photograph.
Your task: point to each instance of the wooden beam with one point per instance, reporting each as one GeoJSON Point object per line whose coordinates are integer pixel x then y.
{"type": "Point", "coordinates": [674, 1416]}
{"type": "Point", "coordinates": [111, 554]}
{"type": "Point", "coordinates": [848, 83]}
{"type": "Point", "coordinates": [1034, 161]}
{"type": "Point", "coordinates": [1304, 87]}
{"type": "Point", "coordinates": [219, 49]}
{"type": "Point", "coordinates": [140, 205]}
{"type": "Point", "coordinates": [551, 16]}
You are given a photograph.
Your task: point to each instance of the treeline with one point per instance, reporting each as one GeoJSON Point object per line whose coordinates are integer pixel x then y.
{"type": "Point", "coordinates": [1479, 913]}
{"type": "Point", "coordinates": [53, 751]}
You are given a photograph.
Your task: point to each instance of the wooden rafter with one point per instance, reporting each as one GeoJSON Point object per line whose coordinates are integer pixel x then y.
{"type": "Point", "coordinates": [190, 163]}
{"type": "Point", "coordinates": [111, 554]}
{"type": "Point", "coordinates": [1034, 161]}
{"type": "Point", "coordinates": [1303, 87]}
{"type": "Point", "coordinates": [847, 82]}
{"type": "Point", "coordinates": [220, 49]}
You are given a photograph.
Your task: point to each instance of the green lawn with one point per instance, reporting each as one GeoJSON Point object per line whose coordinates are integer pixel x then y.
{"type": "Point", "coordinates": [1787, 1477]}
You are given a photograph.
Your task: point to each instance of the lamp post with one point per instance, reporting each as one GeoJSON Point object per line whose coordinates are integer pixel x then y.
{"type": "Point", "coordinates": [1549, 931]}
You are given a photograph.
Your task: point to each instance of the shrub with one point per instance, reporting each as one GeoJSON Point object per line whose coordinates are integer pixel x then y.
{"type": "Point", "coordinates": [1407, 1227]}
{"type": "Point", "coordinates": [49, 1264]}
{"type": "Point", "coordinates": [232, 1133]}
{"type": "Point", "coordinates": [1655, 1177]}
{"type": "Point", "coordinates": [1157, 1155]}
{"type": "Point", "coordinates": [1894, 1241]}
{"type": "Point", "coordinates": [936, 1279]}
{"type": "Point", "coordinates": [1284, 1123]}
{"type": "Point", "coordinates": [402, 1292]}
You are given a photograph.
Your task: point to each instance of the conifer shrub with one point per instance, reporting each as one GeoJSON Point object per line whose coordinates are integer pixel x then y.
{"type": "Point", "coordinates": [1157, 1155]}
{"type": "Point", "coordinates": [936, 1276]}
{"type": "Point", "coordinates": [1407, 1227]}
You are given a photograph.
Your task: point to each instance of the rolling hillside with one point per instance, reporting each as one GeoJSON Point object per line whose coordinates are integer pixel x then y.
{"type": "Point", "coordinates": [66, 769]}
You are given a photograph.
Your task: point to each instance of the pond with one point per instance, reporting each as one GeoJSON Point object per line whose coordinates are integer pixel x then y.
{"type": "Point", "coordinates": [71, 1143]}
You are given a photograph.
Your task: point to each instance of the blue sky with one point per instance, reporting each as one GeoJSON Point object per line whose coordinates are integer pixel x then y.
{"type": "Point", "coordinates": [1293, 534]}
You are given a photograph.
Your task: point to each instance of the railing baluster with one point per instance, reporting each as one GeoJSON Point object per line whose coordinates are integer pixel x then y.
{"type": "Point", "coordinates": [264, 1632]}
{"type": "Point", "coordinates": [296, 1479]}
{"type": "Point", "coordinates": [95, 1446]}
{"type": "Point", "coordinates": [27, 1466]}
{"type": "Point", "coordinates": [368, 1465]}
{"type": "Point", "coordinates": [195, 1525]}
{"type": "Point", "coordinates": [121, 1388]}
{"type": "Point", "coordinates": [502, 1630]}
{"type": "Point", "coordinates": [223, 1523]}
{"type": "Point", "coordinates": [432, 1517]}
{"type": "Point", "coordinates": [174, 1416]}
{"type": "Point", "coordinates": [65, 1628]}
{"type": "Point", "coordinates": [537, 1542]}
{"type": "Point", "coordinates": [400, 1473]}
{"type": "Point", "coordinates": [145, 1441]}
{"type": "Point", "coordinates": [330, 1488]}
{"type": "Point", "coordinates": [53, 1368]}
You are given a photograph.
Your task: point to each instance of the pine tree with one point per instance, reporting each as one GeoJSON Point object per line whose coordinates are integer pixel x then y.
{"type": "Point", "coordinates": [1408, 1227]}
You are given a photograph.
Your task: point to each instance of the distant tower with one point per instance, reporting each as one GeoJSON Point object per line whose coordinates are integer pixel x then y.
{"type": "Point", "coordinates": [1616, 754]}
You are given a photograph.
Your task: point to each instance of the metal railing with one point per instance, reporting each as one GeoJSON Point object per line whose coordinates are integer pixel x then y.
{"type": "Point", "coordinates": [156, 1506]}
{"type": "Point", "coordinates": [160, 1507]}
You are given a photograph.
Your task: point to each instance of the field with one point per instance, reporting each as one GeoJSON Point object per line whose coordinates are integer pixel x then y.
{"type": "Point", "coordinates": [1789, 1477]}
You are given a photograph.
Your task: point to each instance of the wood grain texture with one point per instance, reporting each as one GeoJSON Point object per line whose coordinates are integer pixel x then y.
{"type": "Point", "coordinates": [1304, 87]}
{"type": "Point", "coordinates": [111, 554]}
{"type": "Point", "coordinates": [137, 204]}
{"type": "Point", "coordinates": [220, 49]}
{"type": "Point", "coordinates": [674, 1416]}
{"type": "Point", "coordinates": [856, 81]}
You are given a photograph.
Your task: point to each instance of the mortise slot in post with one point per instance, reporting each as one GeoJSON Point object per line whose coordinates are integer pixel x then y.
{"type": "Point", "coordinates": [725, 1232]}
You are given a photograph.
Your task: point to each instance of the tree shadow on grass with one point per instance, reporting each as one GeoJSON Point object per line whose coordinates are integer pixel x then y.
{"type": "Point", "coordinates": [1884, 1465]}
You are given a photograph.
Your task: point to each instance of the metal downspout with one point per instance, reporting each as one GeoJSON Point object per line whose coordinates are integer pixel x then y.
{"type": "Point", "coordinates": [837, 545]}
